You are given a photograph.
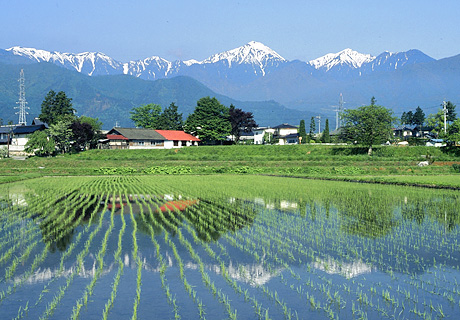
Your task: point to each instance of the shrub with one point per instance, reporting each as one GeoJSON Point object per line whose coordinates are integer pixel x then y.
{"type": "Point", "coordinates": [456, 167]}
{"type": "Point", "coordinates": [3, 152]}
{"type": "Point", "coordinates": [168, 170]}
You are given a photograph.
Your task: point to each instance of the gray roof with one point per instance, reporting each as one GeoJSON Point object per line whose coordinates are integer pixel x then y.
{"type": "Point", "coordinates": [28, 129]}
{"type": "Point", "coordinates": [137, 133]}
{"type": "Point", "coordinates": [285, 126]}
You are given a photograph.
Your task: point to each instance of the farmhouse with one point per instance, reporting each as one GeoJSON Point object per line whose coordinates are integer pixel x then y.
{"type": "Point", "coordinates": [286, 134]}
{"type": "Point", "coordinates": [410, 131]}
{"type": "Point", "coordinates": [19, 135]}
{"type": "Point", "coordinates": [137, 138]}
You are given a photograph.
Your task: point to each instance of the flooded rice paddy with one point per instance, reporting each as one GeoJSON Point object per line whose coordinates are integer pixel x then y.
{"type": "Point", "coordinates": [226, 247]}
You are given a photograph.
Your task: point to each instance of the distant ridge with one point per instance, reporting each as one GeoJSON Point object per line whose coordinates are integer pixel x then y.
{"type": "Point", "coordinates": [254, 53]}
{"type": "Point", "coordinates": [255, 72]}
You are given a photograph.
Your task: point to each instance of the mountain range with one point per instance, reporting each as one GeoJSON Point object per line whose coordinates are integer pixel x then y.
{"type": "Point", "coordinates": [255, 72]}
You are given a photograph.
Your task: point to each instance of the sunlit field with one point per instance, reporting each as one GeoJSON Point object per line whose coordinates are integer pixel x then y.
{"type": "Point", "coordinates": [226, 247]}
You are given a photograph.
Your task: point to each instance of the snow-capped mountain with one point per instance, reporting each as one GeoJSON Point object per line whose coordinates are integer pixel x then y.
{"type": "Point", "coordinates": [345, 58]}
{"type": "Point", "coordinates": [244, 63]}
{"type": "Point", "coordinates": [254, 54]}
{"type": "Point", "coordinates": [90, 63]}
{"type": "Point", "coordinates": [388, 61]}
{"type": "Point", "coordinates": [250, 72]}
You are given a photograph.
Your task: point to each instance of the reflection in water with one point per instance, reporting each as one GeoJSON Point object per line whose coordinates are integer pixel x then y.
{"type": "Point", "coordinates": [346, 269]}
{"type": "Point", "coordinates": [269, 247]}
{"type": "Point", "coordinates": [75, 209]}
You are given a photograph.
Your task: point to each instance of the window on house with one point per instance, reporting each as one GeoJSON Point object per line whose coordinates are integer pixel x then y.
{"type": "Point", "coordinates": [176, 143]}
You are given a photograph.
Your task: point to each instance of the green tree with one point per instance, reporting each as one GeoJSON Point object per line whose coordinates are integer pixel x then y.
{"type": "Point", "coordinates": [436, 120]}
{"type": "Point", "coordinates": [419, 117]}
{"type": "Point", "coordinates": [368, 125]}
{"type": "Point", "coordinates": [407, 118]}
{"type": "Point", "coordinates": [146, 116]}
{"type": "Point", "coordinates": [40, 143]}
{"type": "Point", "coordinates": [325, 136]}
{"type": "Point", "coordinates": [61, 134]}
{"type": "Point", "coordinates": [453, 133]}
{"type": "Point", "coordinates": [94, 122]}
{"type": "Point", "coordinates": [373, 101]}
{"type": "Point", "coordinates": [240, 121]}
{"type": "Point", "coordinates": [268, 138]}
{"type": "Point", "coordinates": [170, 119]}
{"type": "Point", "coordinates": [210, 121]}
{"type": "Point", "coordinates": [55, 107]}
{"type": "Point", "coordinates": [451, 114]}
{"type": "Point", "coordinates": [311, 134]}
{"type": "Point", "coordinates": [302, 132]}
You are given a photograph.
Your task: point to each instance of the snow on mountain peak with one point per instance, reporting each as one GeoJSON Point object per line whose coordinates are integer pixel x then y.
{"type": "Point", "coordinates": [252, 52]}
{"type": "Point", "coordinates": [345, 57]}
{"type": "Point", "coordinates": [79, 61]}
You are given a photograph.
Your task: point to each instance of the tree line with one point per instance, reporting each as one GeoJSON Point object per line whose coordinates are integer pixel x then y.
{"type": "Point", "coordinates": [214, 122]}
{"type": "Point", "coordinates": [211, 121]}
{"type": "Point", "coordinates": [66, 132]}
{"type": "Point", "coordinates": [374, 124]}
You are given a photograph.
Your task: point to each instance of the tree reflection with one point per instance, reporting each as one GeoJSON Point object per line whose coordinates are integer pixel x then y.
{"type": "Point", "coordinates": [58, 233]}
{"type": "Point", "coordinates": [209, 218]}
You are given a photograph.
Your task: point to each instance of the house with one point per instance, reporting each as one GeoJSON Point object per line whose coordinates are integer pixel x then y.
{"type": "Point", "coordinates": [260, 132]}
{"type": "Point", "coordinates": [435, 143]}
{"type": "Point", "coordinates": [410, 131]}
{"type": "Point", "coordinates": [137, 138]}
{"type": "Point", "coordinates": [286, 134]}
{"type": "Point", "coordinates": [19, 135]}
{"type": "Point", "coordinates": [4, 132]}
{"type": "Point", "coordinates": [404, 131]}
{"type": "Point", "coordinates": [423, 132]}
{"type": "Point", "coordinates": [245, 137]}
{"type": "Point", "coordinates": [177, 139]}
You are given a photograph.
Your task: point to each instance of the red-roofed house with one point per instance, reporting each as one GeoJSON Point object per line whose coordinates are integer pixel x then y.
{"type": "Point", "coordinates": [134, 138]}
{"type": "Point", "coordinates": [176, 138]}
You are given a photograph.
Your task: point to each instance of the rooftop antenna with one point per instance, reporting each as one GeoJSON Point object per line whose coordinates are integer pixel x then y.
{"type": "Point", "coordinates": [22, 100]}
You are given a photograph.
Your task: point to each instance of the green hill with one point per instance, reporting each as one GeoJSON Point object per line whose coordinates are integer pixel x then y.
{"type": "Point", "coordinates": [111, 98]}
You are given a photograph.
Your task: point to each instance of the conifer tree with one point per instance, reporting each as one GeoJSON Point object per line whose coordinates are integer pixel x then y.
{"type": "Point", "coordinates": [325, 137]}
{"type": "Point", "coordinates": [302, 132]}
{"type": "Point", "coordinates": [312, 129]}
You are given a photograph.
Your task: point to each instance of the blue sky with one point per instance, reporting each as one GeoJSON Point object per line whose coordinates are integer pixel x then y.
{"type": "Point", "coordinates": [181, 29]}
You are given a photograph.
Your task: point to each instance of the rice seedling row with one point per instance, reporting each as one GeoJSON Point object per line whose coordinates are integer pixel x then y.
{"type": "Point", "coordinates": [218, 250]}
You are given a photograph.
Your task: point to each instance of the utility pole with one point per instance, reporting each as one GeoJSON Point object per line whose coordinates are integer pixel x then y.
{"type": "Point", "coordinates": [319, 124]}
{"type": "Point", "coordinates": [445, 110]}
{"type": "Point", "coordinates": [22, 100]}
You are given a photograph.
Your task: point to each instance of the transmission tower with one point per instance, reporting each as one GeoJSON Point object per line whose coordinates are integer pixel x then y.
{"type": "Point", "coordinates": [22, 100]}
{"type": "Point", "coordinates": [338, 111]}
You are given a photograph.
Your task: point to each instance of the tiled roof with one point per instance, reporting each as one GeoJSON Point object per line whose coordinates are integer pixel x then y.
{"type": "Point", "coordinates": [291, 135]}
{"type": "Point", "coordinates": [28, 129]}
{"type": "Point", "coordinates": [136, 133]}
{"type": "Point", "coordinates": [177, 135]}
{"type": "Point", "coordinates": [285, 126]}
{"type": "Point", "coordinates": [116, 137]}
